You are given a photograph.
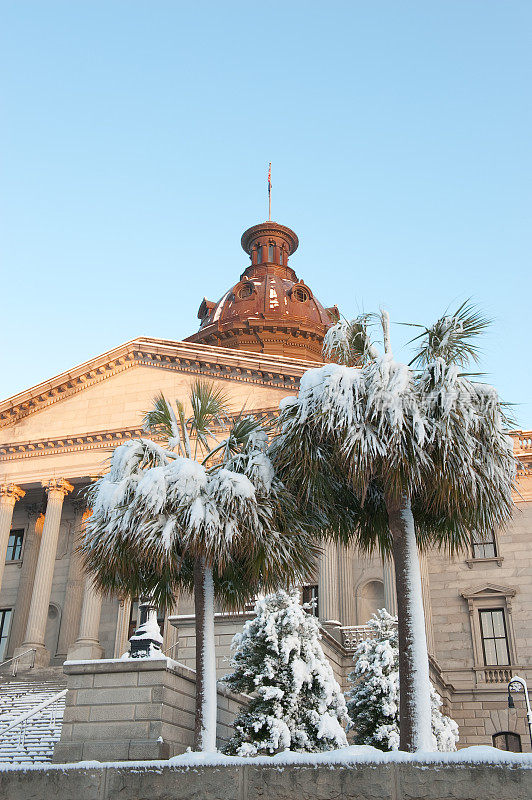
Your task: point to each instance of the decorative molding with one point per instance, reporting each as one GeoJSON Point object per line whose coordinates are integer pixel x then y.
{"type": "Point", "coordinates": [187, 357]}
{"type": "Point", "coordinates": [488, 589]}
{"type": "Point", "coordinates": [100, 440]}
{"type": "Point", "coordinates": [10, 493]}
{"type": "Point", "coordinates": [58, 486]}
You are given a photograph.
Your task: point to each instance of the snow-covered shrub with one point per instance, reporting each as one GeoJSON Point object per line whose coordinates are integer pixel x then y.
{"type": "Point", "coordinates": [373, 702]}
{"type": "Point", "coordinates": [296, 702]}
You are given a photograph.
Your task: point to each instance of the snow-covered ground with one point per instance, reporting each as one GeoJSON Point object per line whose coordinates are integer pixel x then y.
{"type": "Point", "coordinates": [344, 757]}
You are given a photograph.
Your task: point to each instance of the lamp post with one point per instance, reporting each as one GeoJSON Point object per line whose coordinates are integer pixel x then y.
{"type": "Point", "coordinates": [518, 684]}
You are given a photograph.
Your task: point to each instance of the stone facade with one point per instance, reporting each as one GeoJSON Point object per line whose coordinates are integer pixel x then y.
{"type": "Point", "coordinates": [55, 438]}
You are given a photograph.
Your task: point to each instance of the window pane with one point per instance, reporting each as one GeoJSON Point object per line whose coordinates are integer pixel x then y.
{"type": "Point", "coordinates": [483, 544]}
{"type": "Point", "coordinates": [270, 252]}
{"type": "Point", "coordinates": [498, 623]}
{"type": "Point", "coordinates": [490, 652]}
{"type": "Point", "coordinates": [487, 625]}
{"type": "Point", "coordinates": [502, 651]}
{"type": "Point", "coordinates": [14, 545]}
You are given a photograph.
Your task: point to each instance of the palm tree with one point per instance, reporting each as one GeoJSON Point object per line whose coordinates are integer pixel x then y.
{"type": "Point", "coordinates": [198, 514]}
{"type": "Point", "coordinates": [398, 457]}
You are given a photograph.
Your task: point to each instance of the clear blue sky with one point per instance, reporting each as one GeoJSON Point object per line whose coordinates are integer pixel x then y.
{"type": "Point", "coordinates": [135, 141]}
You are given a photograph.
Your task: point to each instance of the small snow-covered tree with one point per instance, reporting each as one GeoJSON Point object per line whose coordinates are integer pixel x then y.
{"type": "Point", "coordinates": [296, 702]}
{"type": "Point", "coordinates": [373, 702]}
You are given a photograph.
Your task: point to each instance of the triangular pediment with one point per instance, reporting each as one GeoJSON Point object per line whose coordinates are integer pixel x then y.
{"type": "Point", "coordinates": [185, 357]}
{"type": "Point", "coordinates": [487, 589]}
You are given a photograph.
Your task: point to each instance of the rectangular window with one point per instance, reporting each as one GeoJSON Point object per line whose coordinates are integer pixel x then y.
{"type": "Point", "coordinates": [259, 254]}
{"type": "Point", "coordinates": [5, 623]}
{"type": "Point", "coordinates": [310, 595]}
{"type": "Point", "coordinates": [270, 253]}
{"type": "Point", "coordinates": [14, 545]}
{"type": "Point", "coordinates": [494, 637]}
{"type": "Point", "coordinates": [483, 545]}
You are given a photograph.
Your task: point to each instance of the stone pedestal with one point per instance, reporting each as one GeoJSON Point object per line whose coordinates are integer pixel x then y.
{"type": "Point", "coordinates": [134, 709]}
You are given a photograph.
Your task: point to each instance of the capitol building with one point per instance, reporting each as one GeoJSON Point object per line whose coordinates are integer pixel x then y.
{"type": "Point", "coordinates": [255, 342]}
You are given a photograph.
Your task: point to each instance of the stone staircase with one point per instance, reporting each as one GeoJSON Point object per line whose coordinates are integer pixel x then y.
{"type": "Point", "coordinates": [31, 741]}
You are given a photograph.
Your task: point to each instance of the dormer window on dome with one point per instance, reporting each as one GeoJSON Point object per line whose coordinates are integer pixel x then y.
{"type": "Point", "coordinates": [245, 291]}
{"type": "Point", "coordinates": [300, 294]}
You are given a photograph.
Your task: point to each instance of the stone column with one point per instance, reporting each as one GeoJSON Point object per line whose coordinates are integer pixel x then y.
{"type": "Point", "coordinates": [57, 489]}
{"type": "Point", "coordinates": [122, 625]}
{"type": "Point", "coordinates": [30, 555]}
{"type": "Point", "coordinates": [9, 494]}
{"type": "Point", "coordinates": [347, 605]}
{"type": "Point", "coordinates": [74, 592]}
{"type": "Point", "coordinates": [87, 645]}
{"type": "Point", "coordinates": [328, 585]}
{"type": "Point", "coordinates": [388, 577]}
{"type": "Point", "coordinates": [425, 589]}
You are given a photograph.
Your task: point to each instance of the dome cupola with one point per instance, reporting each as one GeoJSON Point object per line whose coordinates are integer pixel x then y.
{"type": "Point", "coordinates": [269, 310]}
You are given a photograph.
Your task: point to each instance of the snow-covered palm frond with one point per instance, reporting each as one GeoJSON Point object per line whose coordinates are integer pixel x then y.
{"type": "Point", "coordinates": [349, 342]}
{"type": "Point", "coordinates": [452, 337]}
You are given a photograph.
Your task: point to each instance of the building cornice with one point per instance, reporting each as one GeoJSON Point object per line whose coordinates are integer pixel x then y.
{"type": "Point", "coordinates": [187, 357]}
{"type": "Point", "coordinates": [97, 440]}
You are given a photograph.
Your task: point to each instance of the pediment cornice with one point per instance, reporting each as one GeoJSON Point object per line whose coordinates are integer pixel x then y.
{"type": "Point", "coordinates": [96, 440]}
{"type": "Point", "coordinates": [487, 589]}
{"type": "Point", "coordinates": [187, 357]}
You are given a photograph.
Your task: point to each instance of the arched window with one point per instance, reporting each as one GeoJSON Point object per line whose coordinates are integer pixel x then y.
{"type": "Point", "coordinates": [270, 253]}
{"type": "Point", "coordinates": [281, 256]}
{"type": "Point", "coordinates": [259, 254]}
{"type": "Point", "coordinates": [245, 291]}
{"type": "Point", "coordinates": [507, 741]}
{"type": "Point", "coordinates": [301, 295]}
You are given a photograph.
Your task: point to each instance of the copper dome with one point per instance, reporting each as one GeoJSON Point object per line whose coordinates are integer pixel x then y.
{"type": "Point", "coordinates": [269, 310]}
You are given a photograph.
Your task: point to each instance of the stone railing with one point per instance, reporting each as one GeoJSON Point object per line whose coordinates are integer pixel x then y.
{"type": "Point", "coordinates": [495, 674]}
{"type": "Point", "coordinates": [522, 441]}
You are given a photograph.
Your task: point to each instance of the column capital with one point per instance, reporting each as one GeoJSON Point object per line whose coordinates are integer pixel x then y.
{"type": "Point", "coordinates": [10, 493]}
{"type": "Point", "coordinates": [57, 486]}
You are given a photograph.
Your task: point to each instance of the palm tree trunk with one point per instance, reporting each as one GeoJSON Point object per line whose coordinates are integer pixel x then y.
{"type": "Point", "coordinates": [206, 696]}
{"type": "Point", "coordinates": [414, 683]}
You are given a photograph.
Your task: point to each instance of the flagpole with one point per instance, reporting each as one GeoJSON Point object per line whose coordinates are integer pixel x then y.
{"type": "Point", "coordinates": [270, 192]}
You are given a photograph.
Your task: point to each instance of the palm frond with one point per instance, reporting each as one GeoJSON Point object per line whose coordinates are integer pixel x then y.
{"type": "Point", "coordinates": [349, 342]}
{"type": "Point", "coordinates": [161, 420]}
{"type": "Point", "coordinates": [452, 337]}
{"type": "Point", "coordinates": [209, 405]}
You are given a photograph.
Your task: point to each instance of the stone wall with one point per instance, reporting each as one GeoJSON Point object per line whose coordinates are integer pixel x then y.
{"type": "Point", "coordinates": [251, 782]}
{"type": "Point", "coordinates": [134, 709]}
